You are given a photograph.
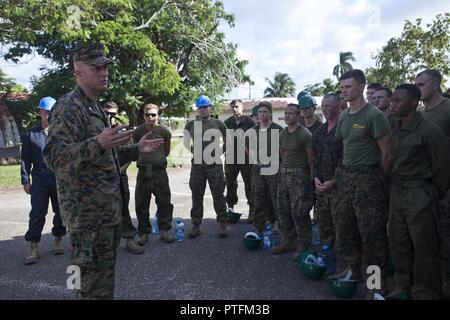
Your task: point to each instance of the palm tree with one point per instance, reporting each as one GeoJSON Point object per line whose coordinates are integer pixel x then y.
{"type": "Point", "coordinates": [282, 86]}
{"type": "Point", "coordinates": [343, 65]}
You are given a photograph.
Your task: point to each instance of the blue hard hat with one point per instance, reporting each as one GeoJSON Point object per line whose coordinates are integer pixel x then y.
{"type": "Point", "coordinates": [203, 101]}
{"type": "Point", "coordinates": [46, 103]}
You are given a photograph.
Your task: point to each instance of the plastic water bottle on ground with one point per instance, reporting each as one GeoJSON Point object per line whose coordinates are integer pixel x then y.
{"type": "Point", "coordinates": [267, 238]}
{"type": "Point", "coordinates": [154, 223]}
{"type": "Point", "coordinates": [315, 241]}
{"type": "Point", "coordinates": [179, 230]}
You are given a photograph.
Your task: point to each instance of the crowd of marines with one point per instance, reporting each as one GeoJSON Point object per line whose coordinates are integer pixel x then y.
{"type": "Point", "coordinates": [375, 176]}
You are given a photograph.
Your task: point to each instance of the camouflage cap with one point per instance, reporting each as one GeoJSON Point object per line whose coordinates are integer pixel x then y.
{"type": "Point", "coordinates": [92, 54]}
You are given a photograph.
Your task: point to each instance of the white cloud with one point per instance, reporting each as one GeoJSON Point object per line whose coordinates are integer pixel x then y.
{"type": "Point", "coordinates": [304, 38]}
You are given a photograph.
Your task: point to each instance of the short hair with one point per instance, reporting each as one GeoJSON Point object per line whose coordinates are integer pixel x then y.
{"type": "Point", "coordinates": [294, 105]}
{"type": "Point", "coordinates": [266, 104]}
{"type": "Point", "coordinates": [375, 86]}
{"type": "Point", "coordinates": [237, 102]}
{"type": "Point", "coordinates": [356, 74]}
{"type": "Point", "coordinates": [412, 90]}
{"type": "Point", "coordinates": [110, 105]}
{"type": "Point", "coordinates": [432, 73]}
{"type": "Point", "coordinates": [151, 106]}
{"type": "Point", "coordinates": [336, 97]}
{"type": "Point", "coordinates": [387, 90]}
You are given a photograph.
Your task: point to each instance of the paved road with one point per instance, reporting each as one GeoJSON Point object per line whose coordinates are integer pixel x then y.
{"type": "Point", "coordinates": [205, 268]}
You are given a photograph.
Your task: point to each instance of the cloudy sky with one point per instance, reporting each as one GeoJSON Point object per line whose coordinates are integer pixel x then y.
{"type": "Point", "coordinates": [300, 37]}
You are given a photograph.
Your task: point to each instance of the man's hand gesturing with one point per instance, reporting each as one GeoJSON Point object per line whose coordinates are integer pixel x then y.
{"type": "Point", "coordinates": [112, 137]}
{"type": "Point", "coordinates": [149, 145]}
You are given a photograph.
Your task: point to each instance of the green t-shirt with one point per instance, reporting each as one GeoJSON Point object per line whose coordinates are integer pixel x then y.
{"type": "Point", "coordinates": [267, 133]}
{"type": "Point", "coordinates": [293, 145]}
{"type": "Point", "coordinates": [359, 133]}
{"type": "Point", "coordinates": [206, 125]}
{"type": "Point", "coordinates": [439, 115]}
{"type": "Point", "coordinates": [157, 157]}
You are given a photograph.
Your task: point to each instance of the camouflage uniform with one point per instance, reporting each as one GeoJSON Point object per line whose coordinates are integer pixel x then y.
{"type": "Point", "coordinates": [361, 199]}
{"type": "Point", "coordinates": [88, 182]}
{"type": "Point", "coordinates": [152, 178]}
{"type": "Point", "coordinates": [264, 187]}
{"type": "Point", "coordinates": [420, 176]}
{"type": "Point", "coordinates": [128, 229]}
{"type": "Point", "coordinates": [327, 155]}
{"type": "Point", "coordinates": [211, 173]}
{"type": "Point", "coordinates": [440, 116]}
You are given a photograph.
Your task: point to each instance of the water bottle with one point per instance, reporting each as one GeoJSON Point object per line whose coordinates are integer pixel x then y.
{"type": "Point", "coordinates": [315, 234]}
{"type": "Point", "coordinates": [275, 237]}
{"type": "Point", "coordinates": [267, 238]}
{"type": "Point", "coordinates": [328, 258]}
{"type": "Point", "coordinates": [179, 230]}
{"type": "Point", "coordinates": [154, 223]}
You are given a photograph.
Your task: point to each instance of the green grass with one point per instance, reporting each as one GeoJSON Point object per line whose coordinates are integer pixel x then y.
{"type": "Point", "coordinates": [10, 177]}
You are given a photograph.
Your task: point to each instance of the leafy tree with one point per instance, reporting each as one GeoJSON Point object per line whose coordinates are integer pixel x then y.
{"type": "Point", "coordinates": [415, 50]}
{"type": "Point", "coordinates": [321, 89]}
{"type": "Point", "coordinates": [165, 51]}
{"type": "Point", "coordinates": [8, 84]}
{"type": "Point", "coordinates": [344, 64]}
{"type": "Point", "coordinates": [282, 86]}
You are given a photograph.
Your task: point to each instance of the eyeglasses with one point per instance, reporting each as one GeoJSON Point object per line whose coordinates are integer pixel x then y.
{"type": "Point", "coordinates": [151, 114]}
{"type": "Point", "coordinates": [111, 114]}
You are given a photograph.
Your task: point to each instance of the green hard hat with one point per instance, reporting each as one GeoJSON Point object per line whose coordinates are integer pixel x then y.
{"type": "Point", "coordinates": [305, 100]}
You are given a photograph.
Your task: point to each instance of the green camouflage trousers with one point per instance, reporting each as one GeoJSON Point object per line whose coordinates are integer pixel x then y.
{"type": "Point", "coordinates": [264, 193]}
{"type": "Point", "coordinates": [294, 205]}
{"type": "Point", "coordinates": [200, 174]}
{"type": "Point", "coordinates": [362, 218]}
{"type": "Point", "coordinates": [326, 217]}
{"type": "Point", "coordinates": [151, 180]}
{"type": "Point", "coordinates": [128, 229]}
{"type": "Point", "coordinates": [413, 238]}
{"type": "Point", "coordinates": [95, 254]}
{"type": "Point", "coordinates": [444, 220]}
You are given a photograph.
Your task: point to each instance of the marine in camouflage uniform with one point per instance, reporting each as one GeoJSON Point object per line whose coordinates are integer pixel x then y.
{"type": "Point", "coordinates": [202, 172]}
{"type": "Point", "coordinates": [87, 174]}
{"type": "Point", "coordinates": [152, 177]}
{"type": "Point", "coordinates": [420, 176]}
{"type": "Point", "coordinates": [361, 200]}
{"type": "Point", "coordinates": [327, 155]}
{"type": "Point", "coordinates": [265, 186]}
{"type": "Point", "coordinates": [294, 185]}
{"type": "Point", "coordinates": [437, 111]}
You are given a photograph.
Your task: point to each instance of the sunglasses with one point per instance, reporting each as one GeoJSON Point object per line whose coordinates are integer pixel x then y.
{"type": "Point", "coordinates": [111, 114]}
{"type": "Point", "coordinates": [151, 114]}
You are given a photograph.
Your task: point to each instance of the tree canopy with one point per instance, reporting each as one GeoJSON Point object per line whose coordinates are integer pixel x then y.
{"type": "Point", "coordinates": [282, 86]}
{"type": "Point", "coordinates": [165, 51]}
{"type": "Point", "coordinates": [344, 64]}
{"type": "Point", "coordinates": [415, 50]}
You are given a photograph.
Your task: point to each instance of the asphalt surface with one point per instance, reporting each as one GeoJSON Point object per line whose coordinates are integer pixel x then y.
{"type": "Point", "coordinates": [204, 268]}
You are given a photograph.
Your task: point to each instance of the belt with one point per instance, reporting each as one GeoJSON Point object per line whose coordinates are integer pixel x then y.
{"type": "Point", "coordinates": [409, 183]}
{"type": "Point", "coordinates": [360, 168]}
{"type": "Point", "coordinates": [292, 170]}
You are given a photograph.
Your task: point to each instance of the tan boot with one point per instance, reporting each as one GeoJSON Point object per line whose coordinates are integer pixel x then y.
{"type": "Point", "coordinates": [284, 247]}
{"type": "Point", "coordinates": [166, 237]}
{"type": "Point", "coordinates": [58, 247]}
{"type": "Point", "coordinates": [195, 231]}
{"type": "Point", "coordinates": [33, 254]}
{"type": "Point", "coordinates": [134, 247]}
{"type": "Point", "coordinates": [223, 230]}
{"type": "Point", "coordinates": [143, 238]}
